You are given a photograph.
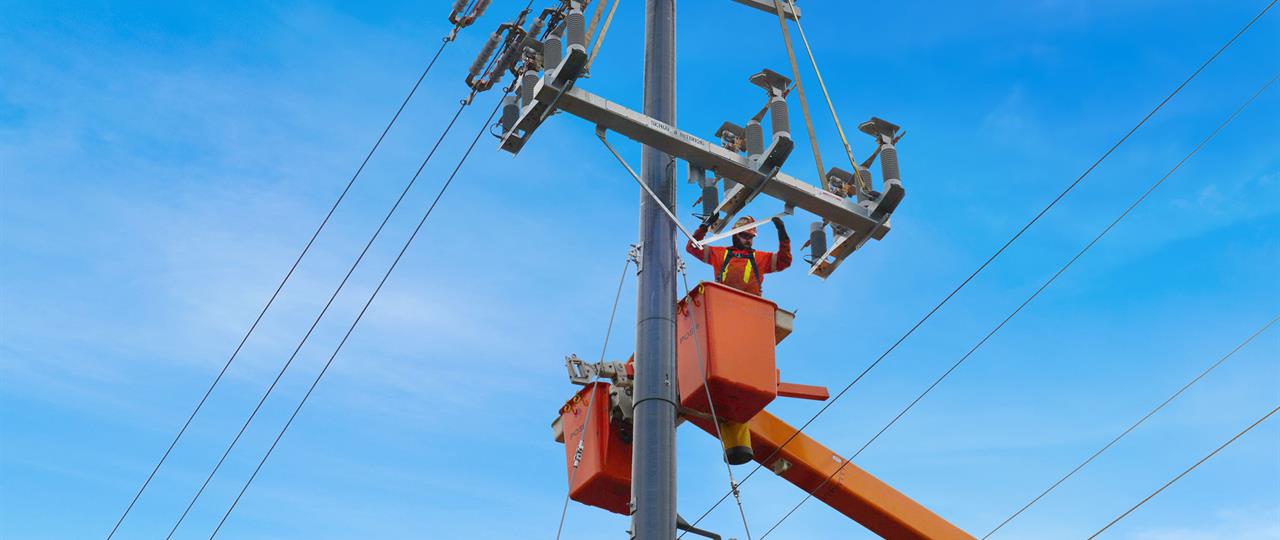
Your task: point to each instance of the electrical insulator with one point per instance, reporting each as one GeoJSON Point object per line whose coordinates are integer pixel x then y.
{"type": "Point", "coordinates": [755, 138]}
{"type": "Point", "coordinates": [576, 27]}
{"type": "Point", "coordinates": [527, 83]}
{"type": "Point", "coordinates": [889, 163]}
{"type": "Point", "coordinates": [552, 52]}
{"type": "Point", "coordinates": [780, 120]}
{"type": "Point", "coordinates": [510, 113]}
{"type": "Point", "coordinates": [817, 241]}
{"type": "Point", "coordinates": [710, 199]}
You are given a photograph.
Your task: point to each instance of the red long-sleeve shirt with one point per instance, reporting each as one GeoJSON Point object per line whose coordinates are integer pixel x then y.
{"type": "Point", "coordinates": [735, 268]}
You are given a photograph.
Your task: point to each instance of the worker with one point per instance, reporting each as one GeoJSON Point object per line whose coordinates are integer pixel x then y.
{"type": "Point", "coordinates": [741, 266]}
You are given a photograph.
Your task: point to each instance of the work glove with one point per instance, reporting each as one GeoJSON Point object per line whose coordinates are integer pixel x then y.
{"type": "Point", "coordinates": [782, 229]}
{"type": "Point", "coordinates": [707, 222]}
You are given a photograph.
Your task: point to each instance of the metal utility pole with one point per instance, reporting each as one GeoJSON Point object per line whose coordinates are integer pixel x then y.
{"type": "Point", "coordinates": [653, 488]}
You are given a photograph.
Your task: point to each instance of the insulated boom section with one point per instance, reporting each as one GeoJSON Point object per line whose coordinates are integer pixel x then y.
{"type": "Point", "coordinates": [853, 491]}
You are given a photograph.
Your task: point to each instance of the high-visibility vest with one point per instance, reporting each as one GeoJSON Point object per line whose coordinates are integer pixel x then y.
{"type": "Point", "coordinates": [747, 273]}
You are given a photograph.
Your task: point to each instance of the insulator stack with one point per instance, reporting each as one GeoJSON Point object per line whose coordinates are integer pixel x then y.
{"type": "Point", "coordinates": [510, 113]}
{"type": "Point", "coordinates": [576, 27]}
{"type": "Point", "coordinates": [755, 138]}
{"type": "Point", "coordinates": [478, 11]}
{"type": "Point", "coordinates": [527, 83]}
{"type": "Point", "coordinates": [504, 63]}
{"type": "Point", "coordinates": [817, 241]}
{"type": "Point", "coordinates": [458, 6]}
{"type": "Point", "coordinates": [552, 52]}
{"type": "Point", "coordinates": [864, 187]}
{"type": "Point", "coordinates": [483, 58]}
{"type": "Point", "coordinates": [889, 163]}
{"type": "Point", "coordinates": [710, 199]}
{"type": "Point", "coordinates": [781, 120]}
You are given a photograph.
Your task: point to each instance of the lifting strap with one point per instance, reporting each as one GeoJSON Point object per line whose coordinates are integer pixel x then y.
{"type": "Point", "coordinates": [595, 49]}
{"type": "Point", "coordinates": [857, 169]}
{"type": "Point", "coordinates": [804, 103]}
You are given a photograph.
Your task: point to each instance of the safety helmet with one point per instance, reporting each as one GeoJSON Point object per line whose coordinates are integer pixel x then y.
{"type": "Point", "coordinates": [744, 220]}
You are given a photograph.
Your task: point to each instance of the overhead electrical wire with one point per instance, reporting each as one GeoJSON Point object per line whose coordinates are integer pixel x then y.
{"type": "Point", "coordinates": [363, 310]}
{"type": "Point", "coordinates": [1132, 427]}
{"type": "Point", "coordinates": [316, 322]}
{"type": "Point", "coordinates": [1184, 473]}
{"type": "Point", "coordinates": [1070, 187]}
{"type": "Point", "coordinates": [200, 404]}
{"type": "Point", "coordinates": [1029, 299]}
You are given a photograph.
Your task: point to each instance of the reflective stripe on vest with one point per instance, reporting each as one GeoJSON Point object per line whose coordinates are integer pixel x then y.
{"type": "Point", "coordinates": [731, 254]}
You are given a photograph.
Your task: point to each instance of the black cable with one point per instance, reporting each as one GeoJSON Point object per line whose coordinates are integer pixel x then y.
{"type": "Point", "coordinates": [358, 317]}
{"type": "Point", "coordinates": [316, 322]}
{"type": "Point", "coordinates": [992, 258]}
{"type": "Point", "coordinates": [1024, 303]}
{"type": "Point", "coordinates": [1132, 427]}
{"type": "Point", "coordinates": [272, 300]}
{"type": "Point", "coordinates": [1184, 473]}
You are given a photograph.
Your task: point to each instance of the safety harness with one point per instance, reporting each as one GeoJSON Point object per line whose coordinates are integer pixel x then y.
{"type": "Point", "coordinates": [748, 273]}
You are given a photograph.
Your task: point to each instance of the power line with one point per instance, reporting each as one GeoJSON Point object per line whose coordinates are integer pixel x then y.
{"type": "Point", "coordinates": [318, 318]}
{"type": "Point", "coordinates": [1029, 299]}
{"type": "Point", "coordinates": [998, 252]}
{"type": "Point", "coordinates": [1132, 427]}
{"type": "Point", "coordinates": [1184, 473]}
{"type": "Point", "coordinates": [272, 299]}
{"type": "Point", "coordinates": [360, 316]}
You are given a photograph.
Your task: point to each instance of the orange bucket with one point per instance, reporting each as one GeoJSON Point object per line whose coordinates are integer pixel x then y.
{"type": "Point", "coordinates": [604, 472]}
{"type": "Point", "coordinates": [729, 334]}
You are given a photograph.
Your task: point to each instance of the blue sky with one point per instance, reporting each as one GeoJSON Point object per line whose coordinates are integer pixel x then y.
{"type": "Point", "coordinates": [162, 163]}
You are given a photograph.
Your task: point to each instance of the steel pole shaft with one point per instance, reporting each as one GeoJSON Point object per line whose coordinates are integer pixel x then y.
{"type": "Point", "coordinates": [654, 458]}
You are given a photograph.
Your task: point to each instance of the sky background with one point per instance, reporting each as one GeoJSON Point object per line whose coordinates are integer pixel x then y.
{"type": "Point", "coordinates": [162, 163]}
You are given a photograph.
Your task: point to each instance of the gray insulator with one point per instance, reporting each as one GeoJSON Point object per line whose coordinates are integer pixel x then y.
{"type": "Point", "coordinates": [527, 82]}
{"type": "Point", "coordinates": [510, 113]}
{"type": "Point", "coordinates": [781, 121]}
{"type": "Point", "coordinates": [503, 64]}
{"type": "Point", "coordinates": [817, 241]}
{"type": "Point", "coordinates": [865, 186]}
{"type": "Point", "coordinates": [458, 6]}
{"type": "Point", "coordinates": [481, 5]}
{"type": "Point", "coordinates": [755, 138]}
{"type": "Point", "coordinates": [552, 52]}
{"type": "Point", "coordinates": [576, 28]}
{"type": "Point", "coordinates": [483, 57]}
{"type": "Point", "coordinates": [889, 163]}
{"type": "Point", "coordinates": [710, 200]}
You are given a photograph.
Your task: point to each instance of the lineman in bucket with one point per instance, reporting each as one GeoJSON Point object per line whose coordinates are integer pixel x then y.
{"type": "Point", "coordinates": [741, 266]}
